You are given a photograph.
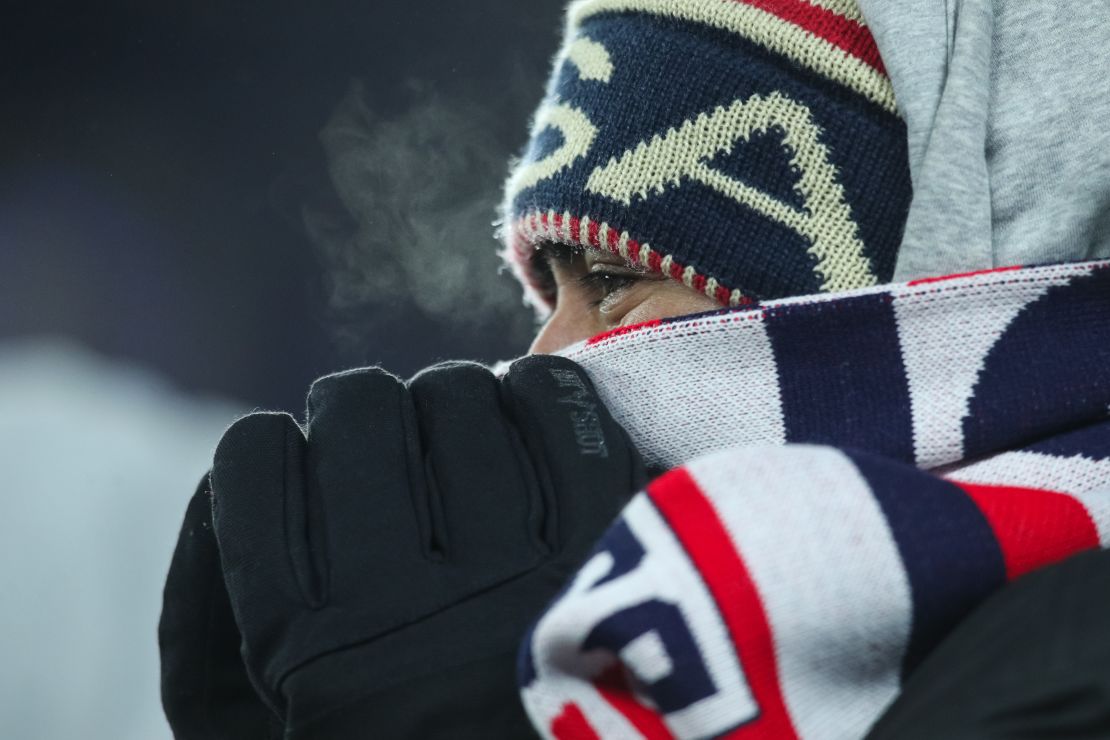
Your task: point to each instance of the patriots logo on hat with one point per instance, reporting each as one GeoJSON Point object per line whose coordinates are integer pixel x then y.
{"type": "Point", "coordinates": [698, 139]}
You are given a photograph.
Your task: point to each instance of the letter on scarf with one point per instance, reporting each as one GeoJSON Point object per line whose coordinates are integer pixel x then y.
{"type": "Point", "coordinates": [782, 592]}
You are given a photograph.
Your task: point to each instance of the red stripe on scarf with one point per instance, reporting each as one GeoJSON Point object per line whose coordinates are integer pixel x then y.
{"type": "Point", "coordinates": [622, 330]}
{"type": "Point", "coordinates": [696, 525]}
{"type": "Point", "coordinates": [839, 31]}
{"type": "Point", "coordinates": [571, 724]}
{"type": "Point", "coordinates": [614, 688]}
{"type": "Point", "coordinates": [1034, 528]}
{"type": "Point", "coordinates": [958, 275]}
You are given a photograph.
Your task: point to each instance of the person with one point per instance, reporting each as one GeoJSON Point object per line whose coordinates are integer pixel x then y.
{"type": "Point", "coordinates": [748, 484]}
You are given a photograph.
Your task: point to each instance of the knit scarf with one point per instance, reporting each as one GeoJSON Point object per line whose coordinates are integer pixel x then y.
{"type": "Point", "coordinates": [849, 475]}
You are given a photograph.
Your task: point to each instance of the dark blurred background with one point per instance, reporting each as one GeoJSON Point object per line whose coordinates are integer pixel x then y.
{"type": "Point", "coordinates": [203, 206]}
{"type": "Point", "coordinates": [170, 194]}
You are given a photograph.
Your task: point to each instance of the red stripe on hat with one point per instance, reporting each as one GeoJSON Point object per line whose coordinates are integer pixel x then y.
{"type": "Point", "coordinates": [614, 688]}
{"type": "Point", "coordinates": [845, 33]}
{"type": "Point", "coordinates": [613, 239]}
{"type": "Point", "coordinates": [571, 724]}
{"type": "Point", "coordinates": [958, 275]}
{"type": "Point", "coordinates": [694, 521]}
{"type": "Point", "coordinates": [576, 230]}
{"type": "Point", "coordinates": [1034, 528]}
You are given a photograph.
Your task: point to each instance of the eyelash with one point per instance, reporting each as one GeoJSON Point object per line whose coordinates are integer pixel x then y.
{"type": "Point", "coordinates": [606, 284]}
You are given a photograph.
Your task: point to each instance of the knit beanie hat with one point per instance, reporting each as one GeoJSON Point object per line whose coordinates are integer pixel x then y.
{"type": "Point", "coordinates": [749, 148]}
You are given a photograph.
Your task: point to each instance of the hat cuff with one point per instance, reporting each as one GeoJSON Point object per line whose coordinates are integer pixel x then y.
{"type": "Point", "coordinates": [535, 227]}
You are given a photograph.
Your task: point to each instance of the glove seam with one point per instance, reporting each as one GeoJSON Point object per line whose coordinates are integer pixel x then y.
{"type": "Point", "coordinates": [314, 594]}
{"type": "Point", "coordinates": [426, 503]}
{"type": "Point", "coordinates": [534, 471]}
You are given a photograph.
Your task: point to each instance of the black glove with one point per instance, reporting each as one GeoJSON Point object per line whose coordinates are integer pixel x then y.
{"type": "Point", "coordinates": [383, 571]}
{"type": "Point", "coordinates": [205, 690]}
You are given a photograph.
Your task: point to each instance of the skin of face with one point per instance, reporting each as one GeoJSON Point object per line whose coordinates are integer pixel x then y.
{"type": "Point", "coordinates": [599, 291]}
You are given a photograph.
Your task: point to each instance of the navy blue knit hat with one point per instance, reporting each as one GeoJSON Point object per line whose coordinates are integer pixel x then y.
{"type": "Point", "coordinates": [749, 148]}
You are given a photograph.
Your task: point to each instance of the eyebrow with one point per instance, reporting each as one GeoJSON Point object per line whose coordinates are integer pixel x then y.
{"type": "Point", "coordinates": [548, 252]}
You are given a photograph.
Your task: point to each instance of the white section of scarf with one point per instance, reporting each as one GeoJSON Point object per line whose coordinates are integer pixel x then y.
{"type": "Point", "coordinates": [690, 387]}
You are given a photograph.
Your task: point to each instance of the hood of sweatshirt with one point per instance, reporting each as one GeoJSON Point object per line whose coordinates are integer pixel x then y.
{"type": "Point", "coordinates": [1006, 107]}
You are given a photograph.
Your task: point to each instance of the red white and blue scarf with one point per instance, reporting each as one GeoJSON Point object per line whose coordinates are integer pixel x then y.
{"type": "Point", "coordinates": [849, 476]}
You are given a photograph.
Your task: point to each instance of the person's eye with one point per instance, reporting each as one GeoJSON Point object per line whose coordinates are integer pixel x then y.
{"type": "Point", "coordinates": [604, 286]}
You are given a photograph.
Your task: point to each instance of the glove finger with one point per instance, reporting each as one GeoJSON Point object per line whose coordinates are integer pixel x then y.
{"type": "Point", "coordinates": [478, 471]}
{"type": "Point", "coordinates": [362, 447]}
{"type": "Point", "coordinates": [260, 518]}
{"type": "Point", "coordinates": [205, 689]}
{"type": "Point", "coordinates": [587, 459]}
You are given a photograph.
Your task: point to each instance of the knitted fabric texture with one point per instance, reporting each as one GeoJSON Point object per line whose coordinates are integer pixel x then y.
{"type": "Point", "coordinates": [856, 473]}
{"type": "Point", "coordinates": [748, 148]}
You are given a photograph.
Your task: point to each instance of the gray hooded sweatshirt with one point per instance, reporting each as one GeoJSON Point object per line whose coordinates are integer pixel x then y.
{"type": "Point", "coordinates": [1007, 106]}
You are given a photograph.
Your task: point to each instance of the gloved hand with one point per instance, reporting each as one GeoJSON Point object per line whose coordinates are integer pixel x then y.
{"type": "Point", "coordinates": [383, 571]}
{"type": "Point", "coordinates": [205, 690]}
